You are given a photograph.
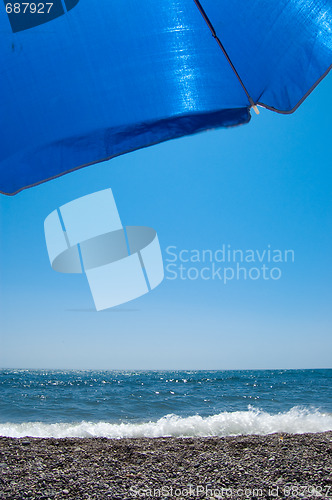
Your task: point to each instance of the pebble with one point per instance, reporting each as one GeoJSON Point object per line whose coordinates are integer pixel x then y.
{"type": "Point", "coordinates": [107, 469]}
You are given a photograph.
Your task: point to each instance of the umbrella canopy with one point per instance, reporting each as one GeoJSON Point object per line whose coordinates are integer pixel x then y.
{"type": "Point", "coordinates": [83, 81]}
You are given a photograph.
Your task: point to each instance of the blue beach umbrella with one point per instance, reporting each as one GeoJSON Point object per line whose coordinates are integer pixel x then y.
{"type": "Point", "coordinates": [82, 81]}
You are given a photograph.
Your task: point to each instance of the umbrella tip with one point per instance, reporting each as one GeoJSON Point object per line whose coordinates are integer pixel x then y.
{"type": "Point", "coordinates": [254, 107]}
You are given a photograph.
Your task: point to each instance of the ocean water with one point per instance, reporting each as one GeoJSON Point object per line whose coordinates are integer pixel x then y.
{"type": "Point", "coordinates": [115, 404]}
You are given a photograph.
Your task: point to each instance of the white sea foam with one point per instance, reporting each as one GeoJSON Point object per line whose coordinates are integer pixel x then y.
{"type": "Point", "coordinates": [253, 421]}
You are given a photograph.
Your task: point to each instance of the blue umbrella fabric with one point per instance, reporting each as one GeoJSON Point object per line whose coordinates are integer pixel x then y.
{"type": "Point", "coordinates": [83, 81]}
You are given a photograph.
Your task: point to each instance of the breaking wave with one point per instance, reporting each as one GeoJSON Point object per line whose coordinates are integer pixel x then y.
{"type": "Point", "coordinates": [253, 421]}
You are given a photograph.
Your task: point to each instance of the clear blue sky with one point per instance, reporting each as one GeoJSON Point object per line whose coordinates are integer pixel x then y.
{"type": "Point", "coordinates": [265, 183]}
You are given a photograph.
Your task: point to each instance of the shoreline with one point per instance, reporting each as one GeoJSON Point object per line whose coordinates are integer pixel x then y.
{"type": "Point", "coordinates": [248, 466]}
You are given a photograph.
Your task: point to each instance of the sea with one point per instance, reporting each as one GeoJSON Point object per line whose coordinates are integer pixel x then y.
{"type": "Point", "coordinates": [132, 404]}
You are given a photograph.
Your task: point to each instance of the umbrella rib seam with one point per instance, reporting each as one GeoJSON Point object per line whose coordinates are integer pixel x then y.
{"type": "Point", "coordinates": [215, 36]}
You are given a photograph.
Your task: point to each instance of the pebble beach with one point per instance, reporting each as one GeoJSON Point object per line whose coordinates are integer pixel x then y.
{"type": "Point", "coordinates": [252, 466]}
